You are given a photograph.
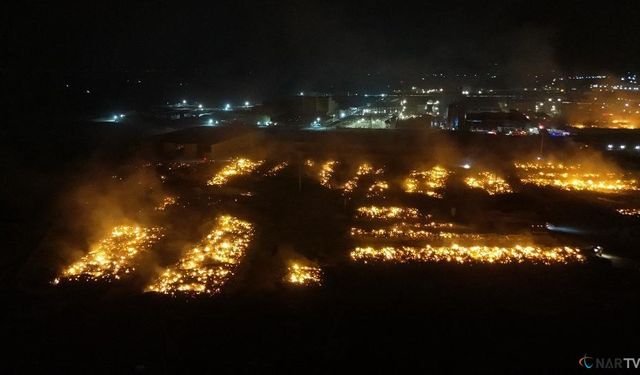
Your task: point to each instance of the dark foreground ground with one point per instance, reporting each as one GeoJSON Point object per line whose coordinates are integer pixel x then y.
{"type": "Point", "coordinates": [400, 318]}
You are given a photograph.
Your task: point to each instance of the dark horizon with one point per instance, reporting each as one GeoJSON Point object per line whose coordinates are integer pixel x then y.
{"type": "Point", "coordinates": [276, 46]}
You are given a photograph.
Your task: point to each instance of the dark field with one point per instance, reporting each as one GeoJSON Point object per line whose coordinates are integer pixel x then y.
{"type": "Point", "coordinates": [380, 317]}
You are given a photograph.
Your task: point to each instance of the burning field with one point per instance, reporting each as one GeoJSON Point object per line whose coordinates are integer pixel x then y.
{"type": "Point", "coordinates": [207, 267]}
{"type": "Point", "coordinates": [629, 211]}
{"type": "Point", "coordinates": [575, 177]}
{"type": "Point", "coordinates": [413, 231]}
{"type": "Point", "coordinates": [325, 173]}
{"type": "Point", "coordinates": [489, 182]}
{"type": "Point", "coordinates": [379, 212]}
{"type": "Point", "coordinates": [113, 257]}
{"type": "Point", "coordinates": [469, 254]}
{"type": "Point", "coordinates": [387, 212]}
{"type": "Point", "coordinates": [364, 169]}
{"type": "Point", "coordinates": [237, 167]}
{"type": "Point", "coordinates": [303, 275]}
{"type": "Point", "coordinates": [444, 245]}
{"type": "Point", "coordinates": [430, 182]}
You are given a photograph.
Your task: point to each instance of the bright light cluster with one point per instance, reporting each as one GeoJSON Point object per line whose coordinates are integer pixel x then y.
{"type": "Point", "coordinates": [387, 212]}
{"type": "Point", "coordinates": [377, 189]}
{"type": "Point", "coordinates": [207, 267]}
{"type": "Point", "coordinates": [489, 182]}
{"type": "Point", "coordinates": [427, 182]}
{"type": "Point", "coordinates": [114, 256]}
{"type": "Point", "coordinates": [629, 211]}
{"type": "Point", "coordinates": [166, 202]}
{"type": "Point", "coordinates": [469, 254]}
{"type": "Point", "coordinates": [237, 167]}
{"type": "Point", "coordinates": [414, 231]}
{"type": "Point", "coordinates": [574, 177]}
{"type": "Point", "coordinates": [304, 275]}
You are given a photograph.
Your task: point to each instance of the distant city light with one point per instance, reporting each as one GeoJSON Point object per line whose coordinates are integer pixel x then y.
{"type": "Point", "coordinates": [184, 102]}
{"type": "Point", "coordinates": [200, 106]}
{"type": "Point", "coordinates": [227, 107]}
{"type": "Point", "coordinates": [210, 122]}
{"type": "Point", "coordinates": [246, 104]}
{"type": "Point", "coordinates": [301, 93]}
{"type": "Point", "coordinates": [466, 166]}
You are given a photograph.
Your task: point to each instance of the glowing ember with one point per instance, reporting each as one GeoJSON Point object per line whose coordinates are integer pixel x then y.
{"type": "Point", "coordinates": [489, 182]}
{"type": "Point", "coordinates": [377, 189]}
{"type": "Point", "coordinates": [304, 275]}
{"type": "Point", "coordinates": [166, 202]}
{"type": "Point", "coordinates": [629, 211]}
{"type": "Point", "coordinates": [389, 212]}
{"type": "Point", "coordinates": [427, 182]}
{"type": "Point", "coordinates": [273, 171]}
{"type": "Point", "coordinates": [237, 167]}
{"type": "Point", "coordinates": [207, 267]}
{"type": "Point", "coordinates": [326, 171]}
{"type": "Point", "coordinates": [574, 177]}
{"type": "Point", "coordinates": [363, 169]}
{"type": "Point", "coordinates": [114, 256]}
{"type": "Point", "coordinates": [470, 254]}
{"type": "Point", "coordinates": [411, 231]}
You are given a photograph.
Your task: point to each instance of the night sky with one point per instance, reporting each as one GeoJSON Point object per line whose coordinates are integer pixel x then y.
{"type": "Point", "coordinates": [322, 43]}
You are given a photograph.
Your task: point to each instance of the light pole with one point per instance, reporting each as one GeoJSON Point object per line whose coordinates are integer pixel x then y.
{"type": "Point", "coordinates": [541, 129]}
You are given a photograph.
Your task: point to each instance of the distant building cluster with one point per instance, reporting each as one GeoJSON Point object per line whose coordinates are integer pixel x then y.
{"type": "Point", "coordinates": [555, 106]}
